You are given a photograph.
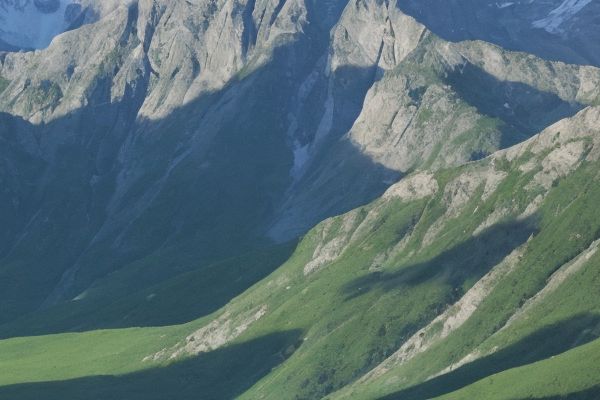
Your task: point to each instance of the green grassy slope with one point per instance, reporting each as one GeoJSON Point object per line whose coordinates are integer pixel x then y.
{"type": "Point", "coordinates": [573, 375]}
{"type": "Point", "coordinates": [68, 356]}
{"type": "Point", "coordinates": [565, 318]}
{"type": "Point", "coordinates": [221, 374]}
{"type": "Point", "coordinates": [359, 286]}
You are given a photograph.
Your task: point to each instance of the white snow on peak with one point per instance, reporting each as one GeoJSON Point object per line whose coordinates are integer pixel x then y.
{"type": "Point", "coordinates": [559, 15]}
{"type": "Point", "coordinates": [25, 26]}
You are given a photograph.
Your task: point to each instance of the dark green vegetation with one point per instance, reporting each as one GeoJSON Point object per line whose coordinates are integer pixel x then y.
{"type": "Point", "coordinates": [176, 300]}
{"type": "Point", "coordinates": [546, 379]}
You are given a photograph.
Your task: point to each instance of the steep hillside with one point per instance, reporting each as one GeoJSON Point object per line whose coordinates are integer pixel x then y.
{"type": "Point", "coordinates": [123, 165]}
{"type": "Point", "coordinates": [451, 277]}
{"type": "Point", "coordinates": [299, 199]}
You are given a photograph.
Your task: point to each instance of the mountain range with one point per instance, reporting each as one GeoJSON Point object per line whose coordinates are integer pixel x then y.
{"type": "Point", "coordinates": [299, 199]}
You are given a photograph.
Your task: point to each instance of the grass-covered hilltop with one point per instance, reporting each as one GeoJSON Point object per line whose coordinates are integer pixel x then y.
{"type": "Point", "coordinates": [301, 200]}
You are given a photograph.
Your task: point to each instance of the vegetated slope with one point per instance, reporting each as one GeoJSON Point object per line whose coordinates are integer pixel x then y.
{"type": "Point", "coordinates": [539, 302]}
{"type": "Point", "coordinates": [124, 167]}
{"type": "Point", "coordinates": [567, 375]}
{"type": "Point", "coordinates": [447, 279]}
